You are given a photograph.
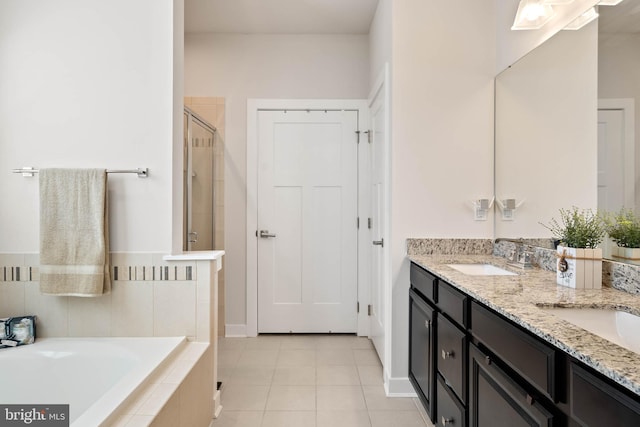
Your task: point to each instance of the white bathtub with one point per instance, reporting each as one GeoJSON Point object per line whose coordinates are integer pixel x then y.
{"type": "Point", "coordinates": [93, 375]}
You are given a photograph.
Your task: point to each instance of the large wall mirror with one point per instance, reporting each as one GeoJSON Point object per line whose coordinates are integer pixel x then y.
{"type": "Point", "coordinates": [564, 119]}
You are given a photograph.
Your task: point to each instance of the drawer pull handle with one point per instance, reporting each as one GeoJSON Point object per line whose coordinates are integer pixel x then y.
{"type": "Point", "coordinates": [448, 355]}
{"type": "Point", "coordinates": [446, 421]}
{"type": "Point", "coordinates": [487, 360]}
{"type": "Point", "coordinates": [427, 324]}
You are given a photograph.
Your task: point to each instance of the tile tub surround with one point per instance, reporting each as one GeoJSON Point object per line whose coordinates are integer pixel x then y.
{"type": "Point", "coordinates": [516, 297]}
{"type": "Point", "coordinates": [150, 297]}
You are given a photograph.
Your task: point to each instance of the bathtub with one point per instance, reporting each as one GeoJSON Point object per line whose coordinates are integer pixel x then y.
{"type": "Point", "coordinates": [93, 375]}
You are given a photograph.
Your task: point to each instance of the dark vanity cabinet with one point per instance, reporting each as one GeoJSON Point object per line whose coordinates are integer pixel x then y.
{"type": "Point", "coordinates": [471, 366]}
{"type": "Point", "coordinates": [422, 325]}
{"type": "Point", "coordinates": [438, 347]}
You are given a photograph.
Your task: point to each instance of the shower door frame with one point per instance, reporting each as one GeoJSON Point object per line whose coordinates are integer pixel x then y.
{"type": "Point", "coordinates": [187, 243]}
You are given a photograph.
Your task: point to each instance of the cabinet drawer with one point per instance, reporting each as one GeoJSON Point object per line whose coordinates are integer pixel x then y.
{"type": "Point", "coordinates": [452, 302]}
{"type": "Point", "coordinates": [529, 357]}
{"type": "Point", "coordinates": [451, 413]}
{"type": "Point", "coordinates": [496, 399]}
{"type": "Point", "coordinates": [594, 402]}
{"type": "Point", "coordinates": [451, 356]}
{"type": "Point", "coordinates": [424, 282]}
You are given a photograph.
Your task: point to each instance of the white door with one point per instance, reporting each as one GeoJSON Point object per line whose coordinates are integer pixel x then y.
{"type": "Point", "coordinates": [616, 161]}
{"type": "Point", "coordinates": [378, 106]}
{"type": "Point", "coordinates": [307, 213]}
{"type": "Point", "coordinates": [611, 160]}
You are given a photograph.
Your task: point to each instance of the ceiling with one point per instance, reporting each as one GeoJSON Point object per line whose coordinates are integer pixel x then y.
{"type": "Point", "coordinates": [279, 16]}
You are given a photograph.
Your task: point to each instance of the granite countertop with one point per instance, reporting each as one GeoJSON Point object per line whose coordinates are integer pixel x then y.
{"type": "Point", "coordinates": [519, 298]}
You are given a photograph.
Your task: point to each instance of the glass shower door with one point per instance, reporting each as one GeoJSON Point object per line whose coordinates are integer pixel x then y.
{"type": "Point", "coordinates": [198, 184]}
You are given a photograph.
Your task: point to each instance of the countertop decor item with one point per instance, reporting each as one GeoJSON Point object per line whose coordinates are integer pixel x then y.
{"type": "Point", "coordinates": [579, 263]}
{"type": "Point", "coordinates": [623, 227]}
{"type": "Point", "coordinates": [15, 331]}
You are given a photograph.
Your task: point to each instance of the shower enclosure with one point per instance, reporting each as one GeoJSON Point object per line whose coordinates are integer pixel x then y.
{"type": "Point", "coordinates": [199, 192]}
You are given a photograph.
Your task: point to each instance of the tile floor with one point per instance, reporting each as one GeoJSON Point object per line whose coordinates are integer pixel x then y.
{"type": "Point", "coordinates": [307, 381]}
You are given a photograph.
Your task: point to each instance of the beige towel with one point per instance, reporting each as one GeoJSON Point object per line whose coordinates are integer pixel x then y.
{"type": "Point", "coordinates": [74, 232]}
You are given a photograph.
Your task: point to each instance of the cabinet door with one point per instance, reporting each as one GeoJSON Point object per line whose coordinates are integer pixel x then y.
{"type": "Point", "coordinates": [421, 348]}
{"type": "Point", "coordinates": [596, 403]}
{"type": "Point", "coordinates": [497, 400]}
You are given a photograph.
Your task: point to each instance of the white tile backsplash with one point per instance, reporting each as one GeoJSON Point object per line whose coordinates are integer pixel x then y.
{"type": "Point", "coordinates": [90, 317]}
{"type": "Point", "coordinates": [132, 309]}
{"type": "Point", "coordinates": [174, 308]}
{"type": "Point", "coordinates": [52, 311]}
{"type": "Point", "coordinates": [12, 299]}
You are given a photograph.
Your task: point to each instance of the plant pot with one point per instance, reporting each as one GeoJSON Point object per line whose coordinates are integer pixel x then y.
{"type": "Point", "coordinates": [628, 255]}
{"type": "Point", "coordinates": [579, 268]}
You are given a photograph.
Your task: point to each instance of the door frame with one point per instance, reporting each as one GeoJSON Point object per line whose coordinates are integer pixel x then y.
{"type": "Point", "coordinates": [627, 105]}
{"type": "Point", "coordinates": [382, 87]}
{"type": "Point", "coordinates": [253, 107]}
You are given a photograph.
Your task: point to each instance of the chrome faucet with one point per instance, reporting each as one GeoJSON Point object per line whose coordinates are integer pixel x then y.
{"type": "Point", "coordinates": [520, 256]}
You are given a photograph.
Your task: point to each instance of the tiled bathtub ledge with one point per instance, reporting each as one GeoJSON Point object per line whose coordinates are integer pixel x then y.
{"type": "Point", "coordinates": [516, 297]}
{"type": "Point", "coordinates": [173, 393]}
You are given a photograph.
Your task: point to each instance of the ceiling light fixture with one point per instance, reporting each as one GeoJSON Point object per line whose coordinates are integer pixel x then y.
{"type": "Point", "coordinates": [532, 15]}
{"type": "Point", "coordinates": [582, 20]}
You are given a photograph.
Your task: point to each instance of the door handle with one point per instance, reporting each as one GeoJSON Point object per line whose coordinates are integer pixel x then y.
{"type": "Point", "coordinates": [378, 242]}
{"type": "Point", "coordinates": [447, 354]}
{"type": "Point", "coordinates": [265, 234]}
{"type": "Point", "coordinates": [193, 239]}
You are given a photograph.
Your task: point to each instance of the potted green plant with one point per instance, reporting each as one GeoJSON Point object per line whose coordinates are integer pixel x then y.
{"type": "Point", "coordinates": [623, 227]}
{"type": "Point", "coordinates": [579, 263]}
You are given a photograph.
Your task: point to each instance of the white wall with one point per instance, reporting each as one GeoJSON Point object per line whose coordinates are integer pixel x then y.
{"type": "Point", "coordinates": [238, 67]}
{"type": "Point", "coordinates": [618, 66]}
{"type": "Point", "coordinates": [546, 132]}
{"type": "Point", "coordinates": [442, 136]}
{"type": "Point", "coordinates": [88, 83]}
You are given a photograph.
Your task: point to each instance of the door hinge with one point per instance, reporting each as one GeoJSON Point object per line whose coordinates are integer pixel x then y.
{"type": "Point", "coordinates": [369, 310]}
{"type": "Point", "coordinates": [358, 134]}
{"type": "Point", "coordinates": [358, 307]}
{"type": "Point", "coordinates": [369, 223]}
{"type": "Point", "coordinates": [358, 223]}
{"type": "Point", "coordinates": [369, 135]}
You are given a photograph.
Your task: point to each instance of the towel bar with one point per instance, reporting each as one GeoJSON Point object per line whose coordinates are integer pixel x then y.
{"type": "Point", "coordinates": [141, 172]}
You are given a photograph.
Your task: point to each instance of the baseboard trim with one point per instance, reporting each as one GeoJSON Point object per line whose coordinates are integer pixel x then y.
{"type": "Point", "coordinates": [399, 387]}
{"type": "Point", "coordinates": [235, 331]}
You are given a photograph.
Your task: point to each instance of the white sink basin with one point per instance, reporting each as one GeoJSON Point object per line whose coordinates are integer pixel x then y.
{"type": "Point", "coordinates": [617, 326]}
{"type": "Point", "coordinates": [481, 270]}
